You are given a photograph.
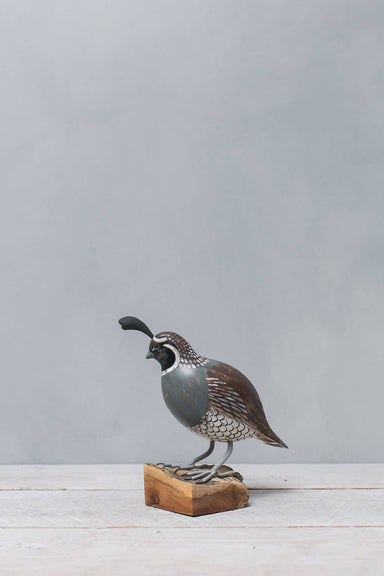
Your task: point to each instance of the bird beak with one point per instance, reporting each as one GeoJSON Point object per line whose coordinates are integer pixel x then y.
{"type": "Point", "coordinates": [150, 355]}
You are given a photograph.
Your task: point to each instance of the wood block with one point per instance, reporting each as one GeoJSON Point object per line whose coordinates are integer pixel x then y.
{"type": "Point", "coordinates": [165, 489]}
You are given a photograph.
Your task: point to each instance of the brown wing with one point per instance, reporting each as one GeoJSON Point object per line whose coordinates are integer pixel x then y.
{"type": "Point", "coordinates": [234, 395]}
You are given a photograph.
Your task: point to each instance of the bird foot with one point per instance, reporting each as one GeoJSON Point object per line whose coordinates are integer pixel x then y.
{"type": "Point", "coordinates": [203, 477]}
{"type": "Point", "coordinates": [196, 466]}
{"type": "Point", "coordinates": [181, 467]}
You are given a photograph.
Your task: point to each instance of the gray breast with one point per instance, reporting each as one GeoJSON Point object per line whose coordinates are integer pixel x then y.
{"type": "Point", "coordinates": [185, 392]}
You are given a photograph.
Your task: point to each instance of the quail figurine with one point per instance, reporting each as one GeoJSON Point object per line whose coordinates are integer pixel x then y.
{"type": "Point", "coordinates": [210, 398]}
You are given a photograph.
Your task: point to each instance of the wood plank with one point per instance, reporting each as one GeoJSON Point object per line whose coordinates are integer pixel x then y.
{"type": "Point", "coordinates": [191, 551]}
{"type": "Point", "coordinates": [72, 477]}
{"type": "Point", "coordinates": [126, 508]}
{"type": "Point", "coordinates": [130, 476]}
{"type": "Point", "coordinates": [312, 476]}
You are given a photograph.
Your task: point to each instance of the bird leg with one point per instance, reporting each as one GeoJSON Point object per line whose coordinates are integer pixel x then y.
{"type": "Point", "coordinates": [192, 465]}
{"type": "Point", "coordinates": [208, 474]}
{"type": "Point", "coordinates": [205, 455]}
{"type": "Point", "coordinates": [193, 462]}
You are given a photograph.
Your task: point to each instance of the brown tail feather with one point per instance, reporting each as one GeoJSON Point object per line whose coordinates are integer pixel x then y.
{"type": "Point", "coordinates": [272, 439]}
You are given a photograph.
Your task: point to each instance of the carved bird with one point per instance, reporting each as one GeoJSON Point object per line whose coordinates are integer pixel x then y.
{"type": "Point", "coordinates": [210, 398]}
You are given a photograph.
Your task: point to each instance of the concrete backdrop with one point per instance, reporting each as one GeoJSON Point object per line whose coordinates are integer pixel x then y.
{"type": "Point", "coordinates": [215, 168]}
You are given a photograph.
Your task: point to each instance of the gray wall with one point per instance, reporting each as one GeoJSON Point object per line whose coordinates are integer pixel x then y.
{"type": "Point", "coordinates": [215, 168]}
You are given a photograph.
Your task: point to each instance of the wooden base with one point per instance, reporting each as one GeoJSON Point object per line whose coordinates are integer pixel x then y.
{"type": "Point", "coordinates": [165, 489]}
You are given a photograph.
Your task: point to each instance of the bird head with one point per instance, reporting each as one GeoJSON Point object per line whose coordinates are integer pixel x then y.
{"type": "Point", "coordinates": [172, 350]}
{"type": "Point", "coordinates": [168, 348]}
{"type": "Point", "coordinates": [162, 350]}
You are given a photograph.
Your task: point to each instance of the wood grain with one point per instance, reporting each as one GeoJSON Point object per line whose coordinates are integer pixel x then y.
{"type": "Point", "coordinates": [125, 508]}
{"type": "Point", "coordinates": [192, 551]}
{"type": "Point", "coordinates": [167, 490]}
{"type": "Point", "coordinates": [130, 476]}
{"type": "Point", "coordinates": [82, 520]}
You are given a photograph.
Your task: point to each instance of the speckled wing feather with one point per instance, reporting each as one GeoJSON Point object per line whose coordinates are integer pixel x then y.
{"type": "Point", "coordinates": [234, 395]}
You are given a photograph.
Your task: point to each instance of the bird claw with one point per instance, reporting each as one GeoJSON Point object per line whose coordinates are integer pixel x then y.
{"type": "Point", "coordinates": [203, 477]}
{"type": "Point", "coordinates": [177, 467]}
{"type": "Point", "coordinates": [194, 466]}
{"type": "Point", "coordinates": [180, 467]}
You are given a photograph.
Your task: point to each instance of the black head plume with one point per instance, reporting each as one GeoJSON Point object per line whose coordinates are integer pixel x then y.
{"type": "Point", "coordinates": [132, 323]}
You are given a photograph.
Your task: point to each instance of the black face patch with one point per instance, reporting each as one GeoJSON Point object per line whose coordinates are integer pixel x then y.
{"type": "Point", "coordinates": [164, 356]}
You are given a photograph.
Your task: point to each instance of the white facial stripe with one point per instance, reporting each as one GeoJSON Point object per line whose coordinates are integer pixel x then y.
{"type": "Point", "coordinates": [164, 339]}
{"type": "Point", "coordinates": [177, 358]}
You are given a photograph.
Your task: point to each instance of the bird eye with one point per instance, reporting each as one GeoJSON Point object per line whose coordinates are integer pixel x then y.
{"type": "Point", "coordinates": [155, 347]}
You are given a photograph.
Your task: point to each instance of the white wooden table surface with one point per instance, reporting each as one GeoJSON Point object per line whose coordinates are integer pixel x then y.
{"type": "Point", "coordinates": [91, 520]}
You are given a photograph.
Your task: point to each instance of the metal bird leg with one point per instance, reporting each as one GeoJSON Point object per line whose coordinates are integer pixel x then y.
{"type": "Point", "coordinates": [192, 465]}
{"type": "Point", "coordinates": [198, 458]}
{"type": "Point", "coordinates": [206, 475]}
{"type": "Point", "coordinates": [206, 453]}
